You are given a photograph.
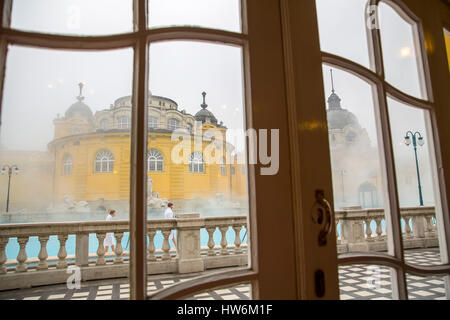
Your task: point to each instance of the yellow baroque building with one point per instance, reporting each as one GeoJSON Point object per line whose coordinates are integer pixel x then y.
{"type": "Point", "coordinates": [92, 153]}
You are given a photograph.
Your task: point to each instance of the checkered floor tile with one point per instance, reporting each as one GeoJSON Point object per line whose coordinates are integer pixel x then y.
{"type": "Point", "coordinates": [119, 290]}
{"type": "Point", "coordinates": [363, 282]}
{"type": "Point", "coordinates": [357, 282]}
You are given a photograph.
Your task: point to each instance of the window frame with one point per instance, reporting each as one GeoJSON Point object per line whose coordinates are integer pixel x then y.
{"type": "Point", "coordinates": [173, 124]}
{"type": "Point", "coordinates": [196, 162]}
{"type": "Point", "coordinates": [382, 90]}
{"type": "Point", "coordinates": [104, 161]}
{"type": "Point", "coordinates": [157, 159]}
{"type": "Point", "coordinates": [67, 165]}
{"type": "Point", "coordinates": [263, 21]}
{"type": "Point", "coordinates": [139, 40]}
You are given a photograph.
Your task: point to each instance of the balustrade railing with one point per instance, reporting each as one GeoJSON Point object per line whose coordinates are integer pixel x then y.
{"type": "Point", "coordinates": [190, 256]}
{"type": "Point", "coordinates": [362, 229]}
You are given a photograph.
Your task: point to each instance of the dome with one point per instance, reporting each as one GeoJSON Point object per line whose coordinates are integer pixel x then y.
{"type": "Point", "coordinates": [203, 114]}
{"type": "Point", "coordinates": [340, 118]}
{"type": "Point", "coordinates": [79, 109]}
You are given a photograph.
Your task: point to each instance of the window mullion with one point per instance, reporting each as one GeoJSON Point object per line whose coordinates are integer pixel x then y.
{"type": "Point", "coordinates": [138, 161]}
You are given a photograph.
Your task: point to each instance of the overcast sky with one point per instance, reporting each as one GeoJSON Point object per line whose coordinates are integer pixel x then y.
{"type": "Point", "coordinates": [42, 83]}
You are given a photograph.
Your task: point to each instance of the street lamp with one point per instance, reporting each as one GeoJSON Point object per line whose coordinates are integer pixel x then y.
{"type": "Point", "coordinates": [416, 141]}
{"type": "Point", "coordinates": [7, 168]}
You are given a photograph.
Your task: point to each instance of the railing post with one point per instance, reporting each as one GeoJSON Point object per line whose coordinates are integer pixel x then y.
{"type": "Point", "coordinates": [82, 249]}
{"type": "Point", "coordinates": [418, 224]}
{"type": "Point", "coordinates": [189, 257]}
{"type": "Point", "coordinates": [223, 241]}
{"type": "Point", "coordinates": [151, 245]}
{"type": "Point", "coordinates": [368, 229]}
{"type": "Point", "coordinates": [118, 249]}
{"type": "Point", "coordinates": [101, 249]}
{"type": "Point", "coordinates": [62, 253]}
{"type": "Point", "coordinates": [408, 232]}
{"type": "Point", "coordinates": [43, 265]}
{"type": "Point", "coordinates": [22, 256]}
{"type": "Point", "coordinates": [3, 243]}
{"type": "Point", "coordinates": [211, 244]}
{"type": "Point", "coordinates": [166, 245]}
{"type": "Point", "coordinates": [379, 230]}
{"type": "Point", "coordinates": [237, 239]}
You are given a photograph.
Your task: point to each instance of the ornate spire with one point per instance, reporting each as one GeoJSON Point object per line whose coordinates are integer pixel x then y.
{"type": "Point", "coordinates": [332, 83]}
{"type": "Point", "coordinates": [80, 96]}
{"type": "Point", "coordinates": [204, 105]}
{"type": "Point", "coordinates": [334, 102]}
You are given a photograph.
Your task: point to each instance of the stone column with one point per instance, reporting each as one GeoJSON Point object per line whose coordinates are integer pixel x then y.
{"type": "Point", "coordinates": [43, 265]}
{"type": "Point", "coordinates": [418, 223]}
{"type": "Point", "coordinates": [237, 239]}
{"type": "Point", "coordinates": [22, 256]}
{"type": "Point", "coordinates": [82, 249]}
{"type": "Point", "coordinates": [62, 253]}
{"type": "Point", "coordinates": [151, 245]}
{"type": "Point", "coordinates": [188, 228]}
{"type": "Point", "coordinates": [101, 249]}
{"type": "Point", "coordinates": [118, 250]}
{"type": "Point", "coordinates": [211, 244]}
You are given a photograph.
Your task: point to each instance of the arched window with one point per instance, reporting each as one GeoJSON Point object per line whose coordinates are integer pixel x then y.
{"type": "Point", "coordinates": [104, 123]}
{"type": "Point", "coordinates": [223, 168]}
{"type": "Point", "coordinates": [67, 165]}
{"type": "Point", "coordinates": [189, 127]}
{"type": "Point", "coordinates": [155, 160]}
{"type": "Point", "coordinates": [104, 161]}
{"type": "Point", "coordinates": [173, 124]}
{"type": "Point", "coordinates": [123, 122]}
{"type": "Point", "coordinates": [152, 122]}
{"type": "Point", "coordinates": [196, 162]}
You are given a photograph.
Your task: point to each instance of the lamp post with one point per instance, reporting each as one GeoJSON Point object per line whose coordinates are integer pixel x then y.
{"type": "Point", "coordinates": [9, 169]}
{"type": "Point", "coordinates": [417, 139]}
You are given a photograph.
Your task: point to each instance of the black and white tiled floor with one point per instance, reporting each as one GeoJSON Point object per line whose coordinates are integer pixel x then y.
{"type": "Point", "coordinates": [356, 282]}
{"type": "Point", "coordinates": [363, 282]}
{"type": "Point", "coordinates": [119, 290]}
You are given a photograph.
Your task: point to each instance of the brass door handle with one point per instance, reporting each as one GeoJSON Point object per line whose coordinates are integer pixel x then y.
{"type": "Point", "coordinates": [323, 215]}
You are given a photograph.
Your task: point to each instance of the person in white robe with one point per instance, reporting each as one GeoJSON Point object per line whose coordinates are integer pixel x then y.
{"type": "Point", "coordinates": [109, 239]}
{"type": "Point", "coordinates": [168, 214]}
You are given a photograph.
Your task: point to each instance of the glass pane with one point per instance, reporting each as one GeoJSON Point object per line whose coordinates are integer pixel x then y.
{"type": "Point", "coordinates": [426, 288]}
{"type": "Point", "coordinates": [82, 17]}
{"type": "Point", "coordinates": [416, 183]}
{"type": "Point", "coordinates": [355, 162]}
{"type": "Point", "coordinates": [210, 100]}
{"type": "Point", "coordinates": [401, 54]}
{"type": "Point", "coordinates": [235, 292]}
{"type": "Point", "coordinates": [46, 93]}
{"type": "Point", "coordinates": [214, 14]}
{"type": "Point", "coordinates": [342, 29]}
{"type": "Point", "coordinates": [365, 282]}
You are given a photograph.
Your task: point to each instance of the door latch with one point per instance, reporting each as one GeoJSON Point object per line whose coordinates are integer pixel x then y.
{"type": "Point", "coordinates": [322, 214]}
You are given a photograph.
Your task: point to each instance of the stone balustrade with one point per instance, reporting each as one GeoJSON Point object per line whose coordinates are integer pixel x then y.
{"type": "Point", "coordinates": [358, 230]}
{"type": "Point", "coordinates": [362, 229]}
{"type": "Point", "coordinates": [189, 256]}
